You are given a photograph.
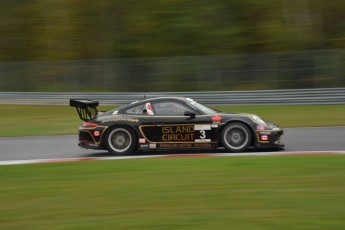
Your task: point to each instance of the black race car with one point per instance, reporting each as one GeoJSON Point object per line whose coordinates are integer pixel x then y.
{"type": "Point", "coordinates": [171, 123]}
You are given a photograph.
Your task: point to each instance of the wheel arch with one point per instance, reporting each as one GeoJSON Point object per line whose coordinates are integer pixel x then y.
{"type": "Point", "coordinates": [111, 127]}
{"type": "Point", "coordinates": [252, 131]}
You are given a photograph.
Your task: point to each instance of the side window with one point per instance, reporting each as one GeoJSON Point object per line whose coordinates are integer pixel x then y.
{"type": "Point", "coordinates": [167, 108]}
{"type": "Point", "coordinates": [148, 109]}
{"type": "Point", "coordinates": [136, 110]}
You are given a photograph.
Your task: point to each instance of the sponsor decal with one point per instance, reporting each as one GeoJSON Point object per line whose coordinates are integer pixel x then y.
{"type": "Point", "coordinates": [214, 126]}
{"type": "Point", "coordinates": [152, 146]}
{"type": "Point", "coordinates": [265, 133]}
{"type": "Point", "coordinates": [144, 146]}
{"type": "Point", "coordinates": [202, 127]}
{"type": "Point", "coordinates": [177, 145]}
{"type": "Point", "coordinates": [115, 112]}
{"type": "Point", "coordinates": [178, 133]}
{"type": "Point", "coordinates": [185, 145]}
{"type": "Point", "coordinates": [168, 145]}
{"type": "Point", "coordinates": [202, 145]}
{"type": "Point", "coordinates": [93, 145]}
{"type": "Point", "coordinates": [171, 133]}
{"type": "Point", "coordinates": [260, 127]}
{"type": "Point", "coordinates": [264, 138]}
{"type": "Point", "coordinates": [202, 140]}
{"type": "Point", "coordinates": [216, 118]}
{"type": "Point", "coordinates": [142, 140]}
{"type": "Point", "coordinates": [96, 133]}
{"type": "Point", "coordinates": [121, 119]}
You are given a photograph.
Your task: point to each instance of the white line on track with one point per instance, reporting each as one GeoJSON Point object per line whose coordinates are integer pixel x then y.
{"type": "Point", "coordinates": [59, 160]}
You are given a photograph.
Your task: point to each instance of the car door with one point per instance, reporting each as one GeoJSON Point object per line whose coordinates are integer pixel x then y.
{"type": "Point", "coordinates": [169, 127]}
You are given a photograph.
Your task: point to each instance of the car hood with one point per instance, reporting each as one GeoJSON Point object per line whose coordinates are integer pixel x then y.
{"type": "Point", "coordinates": [260, 122]}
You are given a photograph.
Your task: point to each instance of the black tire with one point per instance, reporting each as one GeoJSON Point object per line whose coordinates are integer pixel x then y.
{"type": "Point", "coordinates": [120, 141]}
{"type": "Point", "coordinates": [236, 137]}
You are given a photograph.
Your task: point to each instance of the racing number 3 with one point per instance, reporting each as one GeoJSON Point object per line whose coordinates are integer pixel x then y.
{"type": "Point", "coordinates": [202, 134]}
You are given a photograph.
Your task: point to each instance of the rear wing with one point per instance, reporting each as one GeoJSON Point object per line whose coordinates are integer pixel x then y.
{"type": "Point", "coordinates": [86, 109]}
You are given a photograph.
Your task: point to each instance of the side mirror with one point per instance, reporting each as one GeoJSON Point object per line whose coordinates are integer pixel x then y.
{"type": "Point", "coordinates": [189, 114]}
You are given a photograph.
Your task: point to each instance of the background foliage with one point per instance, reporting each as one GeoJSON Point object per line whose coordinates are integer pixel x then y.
{"type": "Point", "coordinates": [36, 31]}
{"type": "Point", "coordinates": [74, 29]}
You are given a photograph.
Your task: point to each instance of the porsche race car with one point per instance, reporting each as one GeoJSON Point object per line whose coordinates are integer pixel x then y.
{"type": "Point", "coordinates": [171, 123]}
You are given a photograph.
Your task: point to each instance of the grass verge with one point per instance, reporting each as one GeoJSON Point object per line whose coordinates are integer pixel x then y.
{"type": "Point", "coordinates": [21, 120]}
{"type": "Point", "coordinates": [271, 192]}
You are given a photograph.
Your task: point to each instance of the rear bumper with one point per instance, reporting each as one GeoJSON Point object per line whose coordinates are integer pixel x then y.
{"type": "Point", "coordinates": [88, 141]}
{"type": "Point", "coordinates": [89, 145]}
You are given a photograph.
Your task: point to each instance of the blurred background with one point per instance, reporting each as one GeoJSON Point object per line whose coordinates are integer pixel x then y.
{"type": "Point", "coordinates": [171, 45]}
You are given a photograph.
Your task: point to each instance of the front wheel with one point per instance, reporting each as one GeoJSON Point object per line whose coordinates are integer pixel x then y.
{"type": "Point", "coordinates": [236, 137]}
{"type": "Point", "coordinates": [120, 141]}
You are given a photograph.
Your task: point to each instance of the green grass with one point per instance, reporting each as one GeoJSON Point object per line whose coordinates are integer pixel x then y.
{"type": "Point", "coordinates": [271, 192]}
{"type": "Point", "coordinates": [31, 120]}
{"type": "Point", "coordinates": [20, 120]}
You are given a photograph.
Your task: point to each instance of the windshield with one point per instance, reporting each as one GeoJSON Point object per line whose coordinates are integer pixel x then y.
{"type": "Point", "coordinates": [206, 110]}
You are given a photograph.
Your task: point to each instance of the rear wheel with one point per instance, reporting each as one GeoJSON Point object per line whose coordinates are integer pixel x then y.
{"type": "Point", "coordinates": [120, 141]}
{"type": "Point", "coordinates": [236, 137]}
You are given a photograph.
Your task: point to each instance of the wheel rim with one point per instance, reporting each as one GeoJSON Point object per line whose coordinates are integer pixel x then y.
{"type": "Point", "coordinates": [120, 140]}
{"type": "Point", "coordinates": [236, 137]}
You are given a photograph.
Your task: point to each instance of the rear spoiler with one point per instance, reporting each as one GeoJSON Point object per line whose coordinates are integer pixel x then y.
{"type": "Point", "coordinates": [87, 109]}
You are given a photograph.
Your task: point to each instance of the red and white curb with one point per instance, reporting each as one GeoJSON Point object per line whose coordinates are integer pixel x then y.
{"type": "Point", "coordinates": [60, 160]}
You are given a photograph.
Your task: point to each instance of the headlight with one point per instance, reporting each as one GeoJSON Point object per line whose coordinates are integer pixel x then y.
{"type": "Point", "coordinates": [257, 119]}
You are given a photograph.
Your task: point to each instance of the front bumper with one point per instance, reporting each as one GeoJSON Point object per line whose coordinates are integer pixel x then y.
{"type": "Point", "coordinates": [269, 139]}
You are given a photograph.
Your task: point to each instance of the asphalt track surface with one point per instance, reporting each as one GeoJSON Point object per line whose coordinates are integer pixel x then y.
{"type": "Point", "coordinates": [65, 146]}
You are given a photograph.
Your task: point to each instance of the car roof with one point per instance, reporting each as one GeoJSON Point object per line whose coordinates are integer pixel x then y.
{"type": "Point", "coordinates": [133, 104]}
